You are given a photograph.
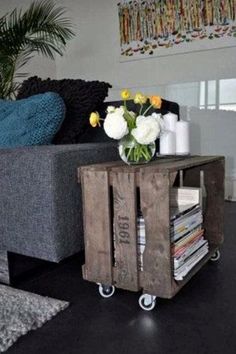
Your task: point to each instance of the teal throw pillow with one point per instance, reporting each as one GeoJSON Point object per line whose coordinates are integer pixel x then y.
{"type": "Point", "coordinates": [31, 121]}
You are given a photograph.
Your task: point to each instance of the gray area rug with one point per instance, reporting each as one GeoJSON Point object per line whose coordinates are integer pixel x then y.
{"type": "Point", "coordinates": [21, 312]}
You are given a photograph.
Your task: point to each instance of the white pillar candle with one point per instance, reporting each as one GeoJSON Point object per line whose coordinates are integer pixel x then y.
{"type": "Point", "coordinates": [167, 143]}
{"type": "Point", "coordinates": [182, 138]}
{"type": "Point", "coordinates": [170, 120]}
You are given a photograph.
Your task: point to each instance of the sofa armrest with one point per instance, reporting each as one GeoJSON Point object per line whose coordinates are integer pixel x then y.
{"type": "Point", "coordinates": [40, 204]}
{"type": "Point", "coordinates": [51, 150]}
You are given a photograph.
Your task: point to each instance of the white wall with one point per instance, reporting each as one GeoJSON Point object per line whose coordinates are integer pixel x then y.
{"type": "Point", "coordinates": [94, 54]}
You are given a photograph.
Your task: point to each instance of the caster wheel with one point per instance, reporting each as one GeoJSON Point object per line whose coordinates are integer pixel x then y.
{"type": "Point", "coordinates": [216, 256]}
{"type": "Point", "coordinates": [147, 302]}
{"type": "Point", "coordinates": [106, 290]}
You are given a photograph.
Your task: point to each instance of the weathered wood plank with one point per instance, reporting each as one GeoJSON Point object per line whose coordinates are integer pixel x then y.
{"type": "Point", "coordinates": [4, 268]}
{"type": "Point", "coordinates": [155, 181]}
{"type": "Point", "coordinates": [214, 184]}
{"type": "Point", "coordinates": [125, 231]}
{"type": "Point", "coordinates": [183, 163]}
{"type": "Point", "coordinates": [159, 164]}
{"type": "Point", "coordinates": [156, 278]}
{"type": "Point", "coordinates": [103, 166]}
{"type": "Point", "coordinates": [97, 226]}
{"type": "Point", "coordinates": [173, 176]}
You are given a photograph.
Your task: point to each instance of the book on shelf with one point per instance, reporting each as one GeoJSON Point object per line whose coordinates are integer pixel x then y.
{"type": "Point", "coordinates": [188, 245]}
{"type": "Point", "coordinates": [177, 213]}
{"type": "Point", "coordinates": [179, 245]}
{"type": "Point", "coordinates": [185, 228]}
{"type": "Point", "coordinates": [185, 196]}
{"type": "Point", "coordinates": [181, 257]}
{"type": "Point", "coordinates": [181, 271]}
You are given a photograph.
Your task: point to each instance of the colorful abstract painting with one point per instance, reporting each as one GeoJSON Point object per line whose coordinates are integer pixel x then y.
{"type": "Point", "coordinates": [163, 27]}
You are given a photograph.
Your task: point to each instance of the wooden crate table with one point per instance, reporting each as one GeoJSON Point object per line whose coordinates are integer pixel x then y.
{"type": "Point", "coordinates": [111, 193]}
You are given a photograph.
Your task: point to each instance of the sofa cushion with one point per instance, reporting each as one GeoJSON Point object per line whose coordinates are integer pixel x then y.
{"type": "Point", "coordinates": [81, 98]}
{"type": "Point", "coordinates": [31, 121]}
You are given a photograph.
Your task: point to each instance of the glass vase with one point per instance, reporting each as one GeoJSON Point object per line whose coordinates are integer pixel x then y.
{"type": "Point", "coordinates": [131, 152]}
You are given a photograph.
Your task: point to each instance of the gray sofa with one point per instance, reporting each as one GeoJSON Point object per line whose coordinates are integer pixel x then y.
{"type": "Point", "coordinates": [40, 204]}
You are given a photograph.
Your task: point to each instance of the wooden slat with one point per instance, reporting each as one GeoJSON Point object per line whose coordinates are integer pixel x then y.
{"type": "Point", "coordinates": [214, 218]}
{"type": "Point", "coordinates": [97, 167]}
{"type": "Point", "coordinates": [214, 184]}
{"type": "Point", "coordinates": [125, 231]}
{"type": "Point", "coordinates": [4, 268]}
{"type": "Point", "coordinates": [97, 227]}
{"type": "Point", "coordinates": [172, 178]}
{"type": "Point", "coordinates": [161, 163]}
{"type": "Point", "coordinates": [156, 277]}
{"type": "Point", "coordinates": [183, 163]}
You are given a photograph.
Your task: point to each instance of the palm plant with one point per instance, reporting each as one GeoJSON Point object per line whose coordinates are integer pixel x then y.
{"type": "Point", "coordinates": [41, 29]}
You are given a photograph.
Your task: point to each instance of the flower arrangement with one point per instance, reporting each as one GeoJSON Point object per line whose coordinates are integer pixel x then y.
{"type": "Point", "coordinates": [136, 131]}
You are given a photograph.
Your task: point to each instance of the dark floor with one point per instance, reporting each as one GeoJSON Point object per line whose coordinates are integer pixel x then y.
{"type": "Point", "coordinates": [201, 319]}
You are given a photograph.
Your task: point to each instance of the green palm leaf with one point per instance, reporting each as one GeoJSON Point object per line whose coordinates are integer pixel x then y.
{"type": "Point", "coordinates": [42, 29]}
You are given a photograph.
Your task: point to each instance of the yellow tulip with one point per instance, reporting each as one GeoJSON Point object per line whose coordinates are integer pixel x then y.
{"type": "Point", "coordinates": [139, 98]}
{"type": "Point", "coordinates": [156, 101]}
{"type": "Point", "coordinates": [94, 119]}
{"type": "Point", "coordinates": [125, 94]}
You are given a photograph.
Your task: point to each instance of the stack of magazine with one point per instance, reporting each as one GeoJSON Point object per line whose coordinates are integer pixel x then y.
{"type": "Point", "coordinates": [188, 245]}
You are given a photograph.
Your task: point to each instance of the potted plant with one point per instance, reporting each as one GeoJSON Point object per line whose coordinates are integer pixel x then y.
{"type": "Point", "coordinates": [135, 131]}
{"type": "Point", "coordinates": [42, 29]}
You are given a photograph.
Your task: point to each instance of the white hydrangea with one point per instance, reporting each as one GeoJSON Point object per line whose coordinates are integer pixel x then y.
{"type": "Point", "coordinates": [147, 129]}
{"type": "Point", "coordinates": [120, 110]}
{"type": "Point", "coordinates": [115, 125]}
{"type": "Point", "coordinates": [110, 109]}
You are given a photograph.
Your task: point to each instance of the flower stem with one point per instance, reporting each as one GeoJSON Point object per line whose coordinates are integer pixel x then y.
{"type": "Point", "coordinates": [140, 111]}
{"type": "Point", "coordinates": [147, 110]}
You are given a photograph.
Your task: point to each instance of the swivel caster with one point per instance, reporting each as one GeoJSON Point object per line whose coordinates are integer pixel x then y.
{"type": "Point", "coordinates": [106, 290]}
{"type": "Point", "coordinates": [216, 256]}
{"type": "Point", "coordinates": [147, 302]}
